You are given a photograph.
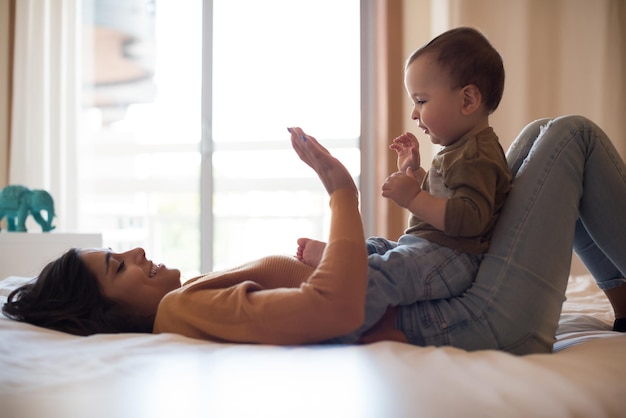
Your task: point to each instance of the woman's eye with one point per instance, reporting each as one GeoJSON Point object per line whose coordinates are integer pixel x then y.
{"type": "Point", "coordinates": [420, 102]}
{"type": "Point", "coordinates": [120, 267]}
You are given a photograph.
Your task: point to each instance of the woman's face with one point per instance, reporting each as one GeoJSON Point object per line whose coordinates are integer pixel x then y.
{"type": "Point", "coordinates": [130, 279]}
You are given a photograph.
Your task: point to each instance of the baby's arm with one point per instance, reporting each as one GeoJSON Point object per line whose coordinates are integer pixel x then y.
{"type": "Point", "coordinates": [404, 187]}
{"type": "Point", "coordinates": [405, 191]}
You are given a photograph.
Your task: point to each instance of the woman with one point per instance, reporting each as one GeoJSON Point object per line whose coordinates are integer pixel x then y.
{"type": "Point", "coordinates": [569, 191]}
{"type": "Point", "coordinates": [90, 291]}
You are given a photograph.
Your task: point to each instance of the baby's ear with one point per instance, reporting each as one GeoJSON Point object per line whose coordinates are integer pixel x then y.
{"type": "Point", "coordinates": [472, 98]}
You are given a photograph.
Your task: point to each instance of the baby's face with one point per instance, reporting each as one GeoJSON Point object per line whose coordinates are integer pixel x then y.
{"type": "Point", "coordinates": [437, 107]}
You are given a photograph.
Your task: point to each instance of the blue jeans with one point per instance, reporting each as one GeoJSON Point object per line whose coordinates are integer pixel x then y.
{"type": "Point", "coordinates": [410, 270]}
{"type": "Point", "coordinates": [569, 192]}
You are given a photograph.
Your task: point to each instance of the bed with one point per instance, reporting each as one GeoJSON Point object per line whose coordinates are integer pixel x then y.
{"type": "Point", "coordinates": [45, 373]}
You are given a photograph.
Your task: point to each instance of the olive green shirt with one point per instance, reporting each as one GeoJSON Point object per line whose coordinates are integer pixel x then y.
{"type": "Point", "coordinates": [474, 176]}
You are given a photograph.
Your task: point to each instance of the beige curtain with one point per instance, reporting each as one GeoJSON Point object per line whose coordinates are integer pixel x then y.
{"type": "Point", "coordinates": [6, 59]}
{"type": "Point", "coordinates": [388, 114]}
{"type": "Point", "coordinates": [45, 85]}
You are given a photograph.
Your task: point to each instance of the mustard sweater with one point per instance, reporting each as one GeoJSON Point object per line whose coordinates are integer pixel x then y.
{"type": "Point", "coordinates": [278, 299]}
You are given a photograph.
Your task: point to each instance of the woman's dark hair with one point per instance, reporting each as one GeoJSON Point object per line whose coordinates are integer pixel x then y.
{"type": "Point", "coordinates": [468, 57]}
{"type": "Point", "coordinates": [66, 297]}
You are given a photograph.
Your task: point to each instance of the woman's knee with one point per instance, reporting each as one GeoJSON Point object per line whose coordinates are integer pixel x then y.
{"type": "Point", "coordinates": [569, 124]}
{"type": "Point", "coordinates": [519, 149]}
{"type": "Point", "coordinates": [572, 120]}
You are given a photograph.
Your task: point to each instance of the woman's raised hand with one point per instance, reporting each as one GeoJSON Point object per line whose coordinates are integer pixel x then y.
{"type": "Point", "coordinates": [330, 170]}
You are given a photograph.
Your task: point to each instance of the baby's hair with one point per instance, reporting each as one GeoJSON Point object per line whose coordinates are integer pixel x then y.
{"type": "Point", "coordinates": [468, 58]}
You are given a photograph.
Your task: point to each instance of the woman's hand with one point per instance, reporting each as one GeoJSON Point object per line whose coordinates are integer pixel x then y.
{"type": "Point", "coordinates": [407, 147]}
{"type": "Point", "coordinates": [333, 174]}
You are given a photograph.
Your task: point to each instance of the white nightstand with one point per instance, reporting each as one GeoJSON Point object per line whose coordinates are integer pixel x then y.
{"type": "Point", "coordinates": [26, 253]}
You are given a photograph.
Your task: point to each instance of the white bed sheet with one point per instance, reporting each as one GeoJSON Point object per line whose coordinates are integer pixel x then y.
{"type": "Point", "coordinates": [50, 374]}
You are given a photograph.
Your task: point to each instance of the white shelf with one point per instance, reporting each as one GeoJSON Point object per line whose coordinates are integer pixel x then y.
{"type": "Point", "coordinates": [26, 253]}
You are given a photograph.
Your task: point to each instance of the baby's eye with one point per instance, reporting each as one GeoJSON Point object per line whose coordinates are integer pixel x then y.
{"type": "Point", "coordinates": [420, 102]}
{"type": "Point", "coordinates": [120, 267]}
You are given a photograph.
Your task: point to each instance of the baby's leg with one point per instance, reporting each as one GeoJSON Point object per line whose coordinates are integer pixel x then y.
{"type": "Point", "coordinates": [310, 251]}
{"type": "Point", "coordinates": [378, 245]}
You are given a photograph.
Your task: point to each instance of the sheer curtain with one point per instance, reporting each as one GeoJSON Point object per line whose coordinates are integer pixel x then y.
{"type": "Point", "coordinates": [6, 45]}
{"type": "Point", "coordinates": [45, 141]}
{"type": "Point", "coordinates": [45, 102]}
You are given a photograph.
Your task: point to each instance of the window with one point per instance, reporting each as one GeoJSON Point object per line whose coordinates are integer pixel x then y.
{"type": "Point", "coordinates": [139, 159]}
{"type": "Point", "coordinates": [149, 175]}
{"type": "Point", "coordinates": [271, 70]}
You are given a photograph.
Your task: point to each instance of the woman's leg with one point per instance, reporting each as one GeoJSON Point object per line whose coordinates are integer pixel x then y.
{"type": "Point", "coordinates": [520, 148]}
{"type": "Point", "coordinates": [602, 215]}
{"type": "Point", "coordinates": [585, 164]}
{"type": "Point", "coordinates": [587, 178]}
{"type": "Point", "coordinates": [604, 272]}
{"type": "Point", "coordinates": [607, 276]}
{"type": "Point", "coordinates": [603, 203]}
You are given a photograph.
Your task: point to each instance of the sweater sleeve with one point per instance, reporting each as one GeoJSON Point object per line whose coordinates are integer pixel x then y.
{"type": "Point", "coordinates": [290, 302]}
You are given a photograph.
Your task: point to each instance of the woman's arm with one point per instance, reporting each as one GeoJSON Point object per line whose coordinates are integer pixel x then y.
{"type": "Point", "coordinates": [330, 301]}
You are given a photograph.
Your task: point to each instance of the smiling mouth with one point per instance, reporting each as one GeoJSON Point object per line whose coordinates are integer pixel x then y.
{"type": "Point", "coordinates": [154, 269]}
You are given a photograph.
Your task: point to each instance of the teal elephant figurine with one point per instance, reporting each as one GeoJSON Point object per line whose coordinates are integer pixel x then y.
{"type": "Point", "coordinates": [17, 202]}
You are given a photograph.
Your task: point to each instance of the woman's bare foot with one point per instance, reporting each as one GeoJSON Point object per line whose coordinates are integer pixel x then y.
{"type": "Point", "coordinates": [330, 170]}
{"type": "Point", "coordinates": [310, 251]}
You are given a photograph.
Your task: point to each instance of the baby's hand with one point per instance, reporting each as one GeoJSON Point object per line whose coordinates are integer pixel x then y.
{"type": "Point", "coordinates": [401, 188]}
{"type": "Point", "coordinates": [407, 147]}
